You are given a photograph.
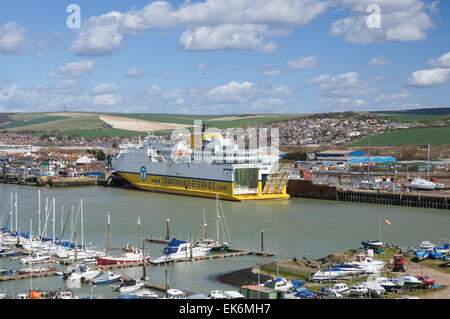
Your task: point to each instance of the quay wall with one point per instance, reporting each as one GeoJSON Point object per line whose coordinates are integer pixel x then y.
{"type": "Point", "coordinates": [305, 188]}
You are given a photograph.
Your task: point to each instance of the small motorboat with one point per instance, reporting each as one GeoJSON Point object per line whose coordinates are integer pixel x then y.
{"type": "Point", "coordinates": [427, 245]}
{"type": "Point", "coordinates": [342, 289]}
{"type": "Point", "coordinates": [106, 278]}
{"type": "Point", "coordinates": [358, 290]}
{"type": "Point", "coordinates": [63, 295]}
{"type": "Point", "coordinates": [442, 249]}
{"type": "Point", "coordinates": [231, 294]}
{"type": "Point", "coordinates": [129, 286]}
{"type": "Point", "coordinates": [427, 281]}
{"type": "Point", "coordinates": [35, 258]}
{"type": "Point", "coordinates": [143, 294]}
{"type": "Point", "coordinates": [216, 294]}
{"type": "Point", "coordinates": [324, 275]}
{"type": "Point", "coordinates": [279, 284]}
{"type": "Point", "coordinates": [410, 281]}
{"type": "Point", "coordinates": [386, 283]}
{"type": "Point", "coordinates": [372, 244]}
{"type": "Point", "coordinates": [374, 288]}
{"type": "Point", "coordinates": [302, 293]}
{"type": "Point", "coordinates": [422, 254]}
{"type": "Point", "coordinates": [82, 272]}
{"type": "Point", "coordinates": [175, 294]}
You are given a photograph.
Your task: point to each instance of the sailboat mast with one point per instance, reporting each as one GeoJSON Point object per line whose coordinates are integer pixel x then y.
{"type": "Point", "coordinates": [379, 228]}
{"type": "Point", "coordinates": [10, 214]}
{"type": "Point", "coordinates": [109, 231]}
{"type": "Point", "coordinates": [82, 225]}
{"type": "Point", "coordinates": [54, 220]}
{"type": "Point", "coordinates": [39, 212]}
{"type": "Point", "coordinates": [139, 231]}
{"type": "Point", "coordinates": [15, 207]}
{"type": "Point", "coordinates": [204, 225]}
{"type": "Point", "coordinates": [62, 220]}
{"type": "Point", "coordinates": [46, 215]}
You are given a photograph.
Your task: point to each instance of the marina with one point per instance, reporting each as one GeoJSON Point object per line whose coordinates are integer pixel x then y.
{"type": "Point", "coordinates": [298, 216]}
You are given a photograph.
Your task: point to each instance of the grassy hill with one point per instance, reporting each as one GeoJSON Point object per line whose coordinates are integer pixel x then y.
{"type": "Point", "coordinates": [89, 124]}
{"type": "Point", "coordinates": [434, 136]}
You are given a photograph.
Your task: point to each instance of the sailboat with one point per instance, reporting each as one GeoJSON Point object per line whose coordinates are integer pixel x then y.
{"type": "Point", "coordinates": [214, 244]}
{"type": "Point", "coordinates": [425, 184]}
{"type": "Point", "coordinates": [130, 254]}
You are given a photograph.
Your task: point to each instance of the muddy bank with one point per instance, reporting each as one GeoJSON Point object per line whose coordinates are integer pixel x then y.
{"type": "Point", "coordinates": [242, 277]}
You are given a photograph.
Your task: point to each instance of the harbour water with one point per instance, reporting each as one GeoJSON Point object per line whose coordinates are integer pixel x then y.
{"type": "Point", "coordinates": [294, 228]}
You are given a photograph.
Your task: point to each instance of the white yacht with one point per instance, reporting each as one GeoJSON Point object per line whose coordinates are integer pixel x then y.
{"type": "Point", "coordinates": [427, 245]}
{"type": "Point", "coordinates": [177, 249]}
{"type": "Point", "coordinates": [328, 274]}
{"type": "Point", "coordinates": [369, 264]}
{"type": "Point", "coordinates": [423, 184]}
{"type": "Point", "coordinates": [82, 272]}
{"type": "Point", "coordinates": [35, 258]}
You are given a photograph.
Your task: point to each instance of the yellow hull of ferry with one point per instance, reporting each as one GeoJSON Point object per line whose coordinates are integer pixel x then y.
{"type": "Point", "coordinates": [197, 187]}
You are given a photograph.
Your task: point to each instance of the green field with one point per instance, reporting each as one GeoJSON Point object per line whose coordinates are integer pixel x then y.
{"type": "Point", "coordinates": [414, 118]}
{"type": "Point", "coordinates": [88, 124]}
{"type": "Point", "coordinates": [34, 121]}
{"type": "Point", "coordinates": [434, 136]}
{"type": "Point", "coordinates": [112, 132]}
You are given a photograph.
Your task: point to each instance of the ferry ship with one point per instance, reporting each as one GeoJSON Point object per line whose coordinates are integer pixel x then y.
{"type": "Point", "coordinates": [203, 165]}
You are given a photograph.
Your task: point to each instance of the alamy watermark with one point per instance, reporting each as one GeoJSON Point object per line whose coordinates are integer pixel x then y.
{"type": "Point", "coordinates": [373, 20]}
{"type": "Point", "coordinates": [74, 19]}
{"type": "Point", "coordinates": [232, 145]}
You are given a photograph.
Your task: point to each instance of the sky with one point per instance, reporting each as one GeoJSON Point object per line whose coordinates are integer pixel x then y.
{"type": "Point", "coordinates": [224, 57]}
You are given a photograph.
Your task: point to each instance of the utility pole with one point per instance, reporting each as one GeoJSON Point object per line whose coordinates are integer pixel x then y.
{"type": "Point", "coordinates": [368, 157]}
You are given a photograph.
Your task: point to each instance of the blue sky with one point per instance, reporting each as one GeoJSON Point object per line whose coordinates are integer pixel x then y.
{"type": "Point", "coordinates": [214, 56]}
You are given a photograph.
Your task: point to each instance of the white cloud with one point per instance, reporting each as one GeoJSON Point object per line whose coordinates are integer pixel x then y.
{"type": "Point", "coordinates": [12, 39]}
{"type": "Point", "coordinates": [227, 37]}
{"type": "Point", "coordinates": [268, 104]}
{"type": "Point", "coordinates": [392, 97]}
{"type": "Point", "coordinates": [342, 85]}
{"type": "Point", "coordinates": [441, 62]}
{"type": "Point", "coordinates": [134, 73]}
{"type": "Point", "coordinates": [99, 36]}
{"type": "Point", "coordinates": [73, 70]}
{"type": "Point", "coordinates": [401, 20]}
{"type": "Point", "coordinates": [217, 20]}
{"type": "Point", "coordinates": [201, 66]}
{"type": "Point", "coordinates": [270, 71]}
{"type": "Point", "coordinates": [429, 77]}
{"type": "Point", "coordinates": [380, 60]}
{"type": "Point", "coordinates": [243, 92]}
{"type": "Point", "coordinates": [302, 63]}
{"type": "Point", "coordinates": [107, 99]}
{"type": "Point", "coordinates": [8, 93]}
{"type": "Point", "coordinates": [105, 88]}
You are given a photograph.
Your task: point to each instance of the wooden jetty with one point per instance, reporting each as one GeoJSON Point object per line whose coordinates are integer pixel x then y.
{"type": "Point", "coordinates": [27, 276]}
{"type": "Point", "coordinates": [232, 251]}
{"type": "Point", "coordinates": [157, 287]}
